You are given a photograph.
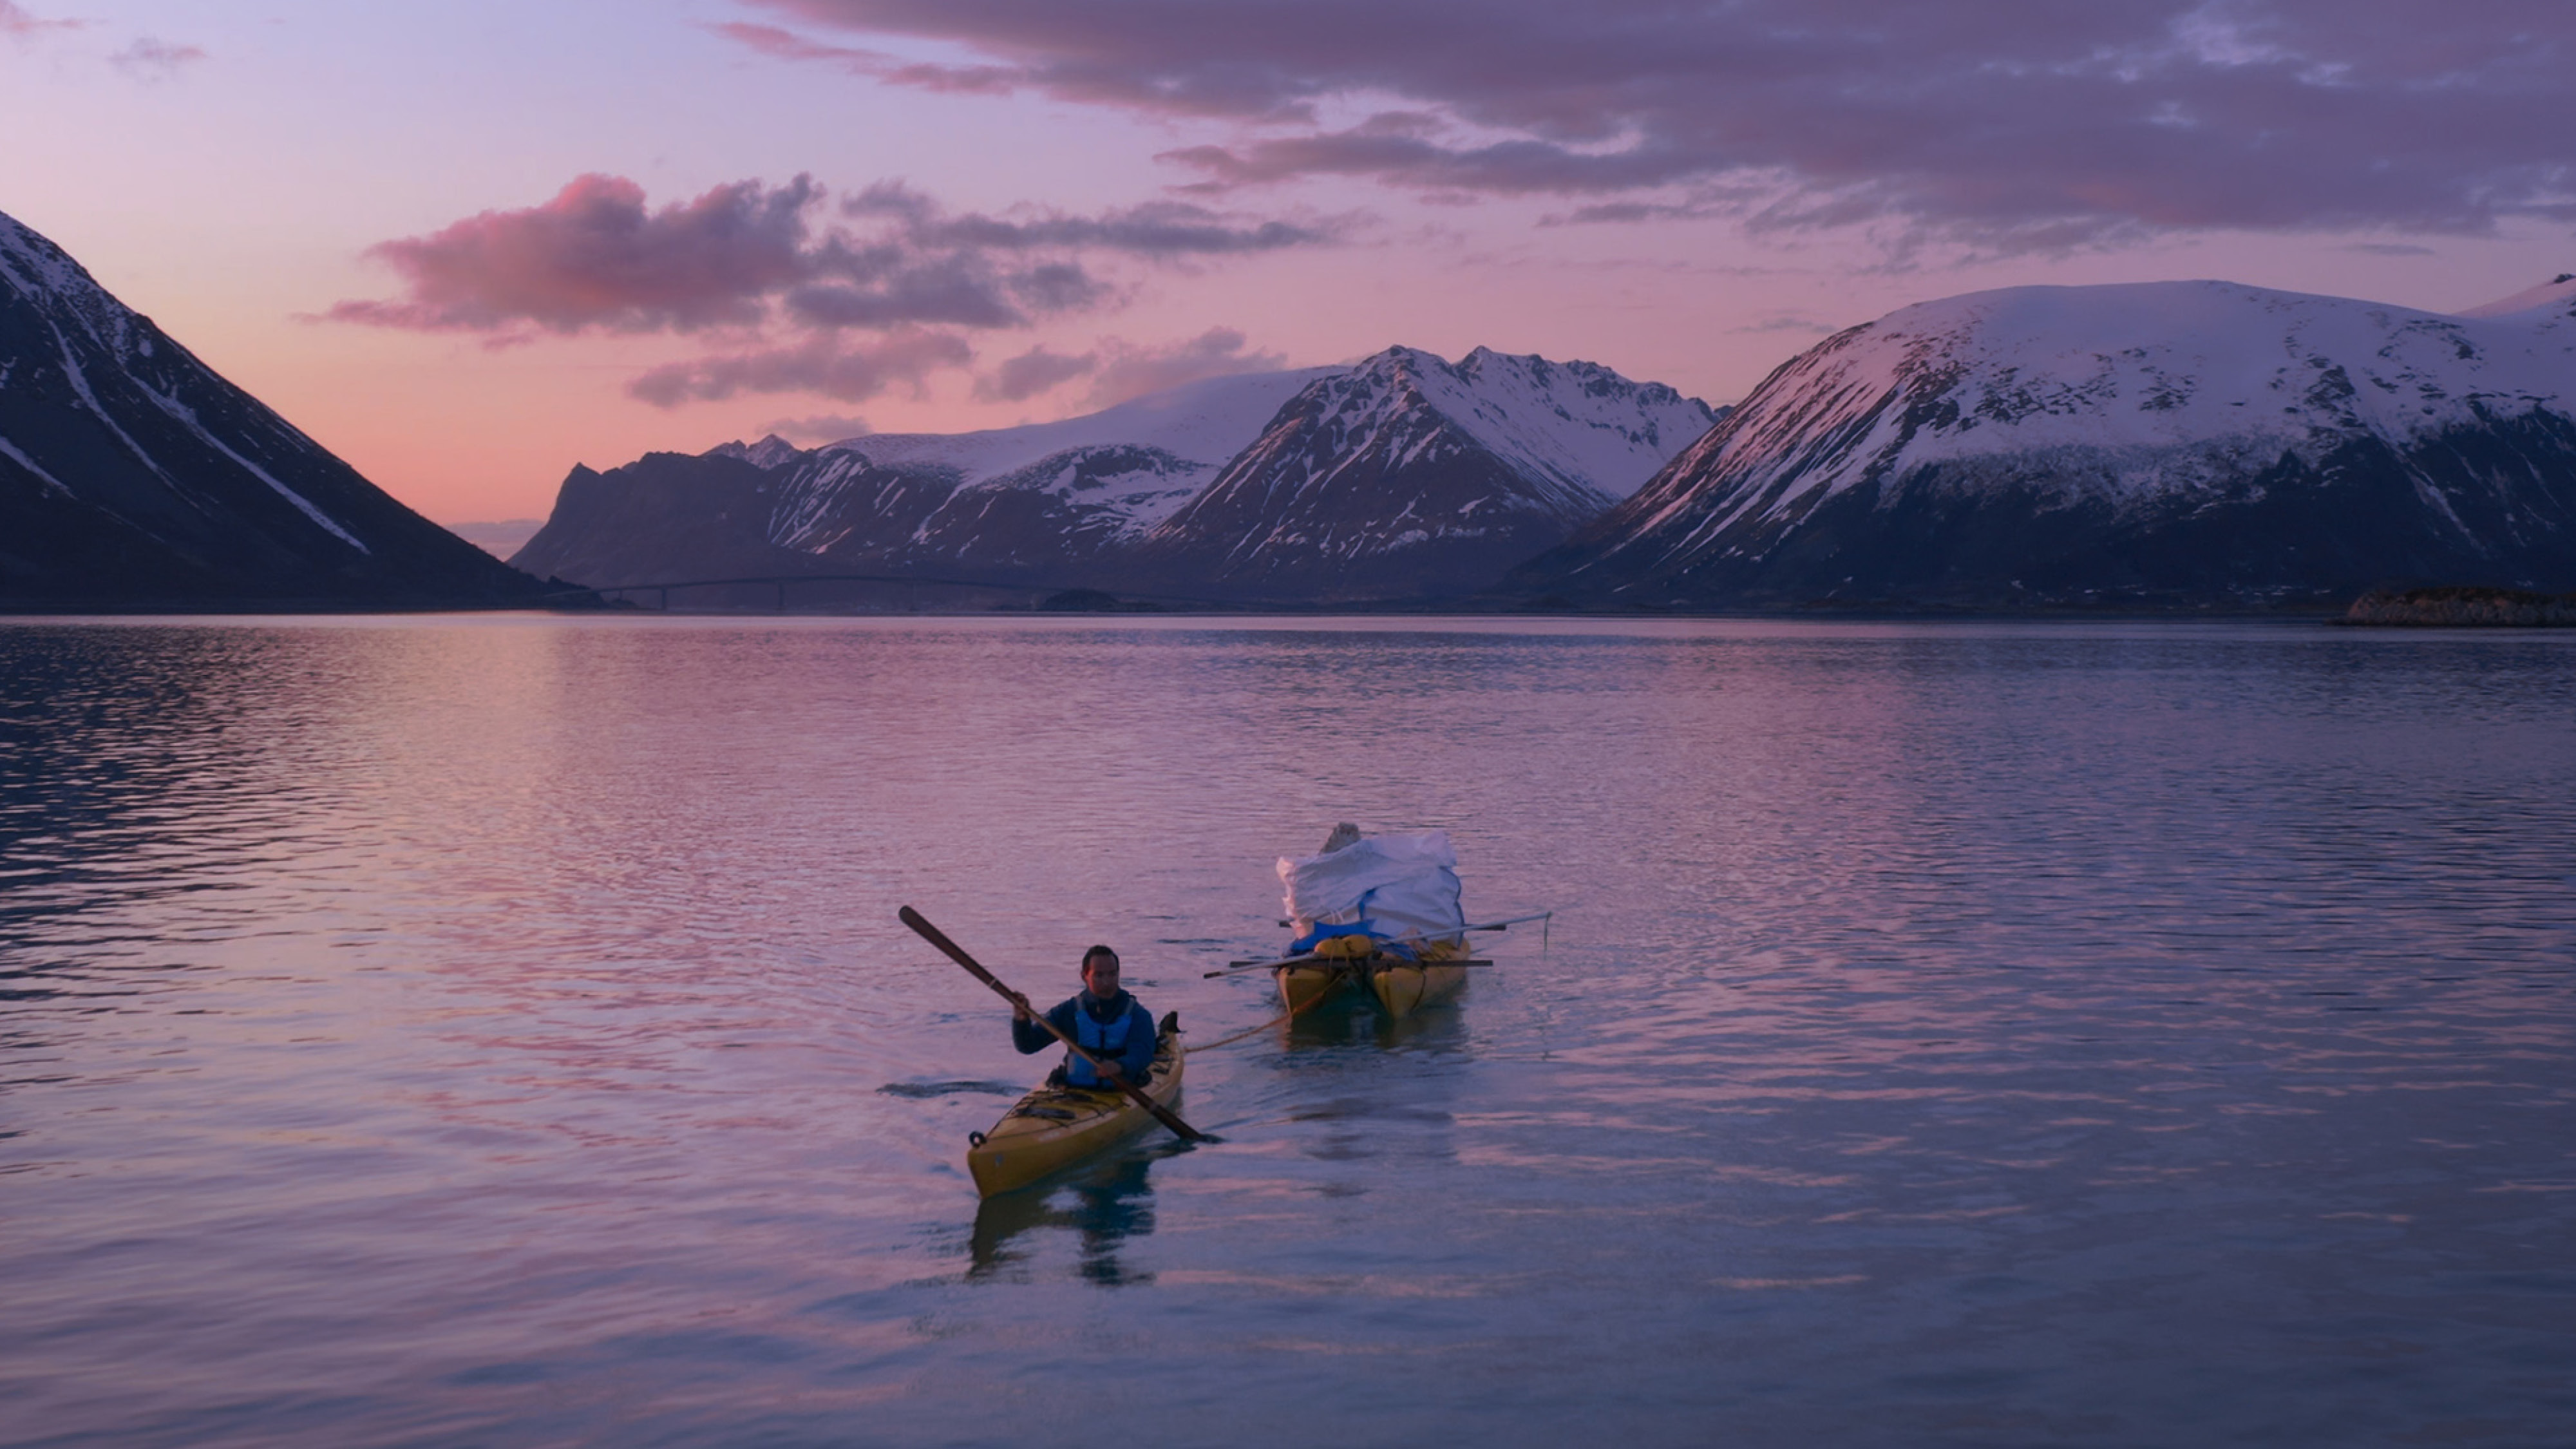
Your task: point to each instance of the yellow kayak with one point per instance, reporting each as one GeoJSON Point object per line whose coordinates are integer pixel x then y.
{"type": "Point", "coordinates": [1053, 1128]}
{"type": "Point", "coordinates": [1306, 983]}
{"type": "Point", "coordinates": [1400, 984]}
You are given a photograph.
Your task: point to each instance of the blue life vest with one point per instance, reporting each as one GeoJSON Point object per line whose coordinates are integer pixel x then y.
{"type": "Point", "coordinates": [1109, 1043]}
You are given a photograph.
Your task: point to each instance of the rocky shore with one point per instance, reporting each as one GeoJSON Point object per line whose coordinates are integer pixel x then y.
{"type": "Point", "coordinates": [2455, 606]}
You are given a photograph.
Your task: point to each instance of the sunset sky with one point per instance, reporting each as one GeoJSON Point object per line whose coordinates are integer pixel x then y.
{"type": "Point", "coordinates": [470, 245]}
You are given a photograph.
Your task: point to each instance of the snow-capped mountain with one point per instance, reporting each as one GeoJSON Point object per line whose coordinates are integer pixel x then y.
{"type": "Point", "coordinates": [1042, 501]}
{"type": "Point", "coordinates": [1212, 419]}
{"type": "Point", "coordinates": [1410, 476]}
{"type": "Point", "coordinates": [132, 475]}
{"type": "Point", "coordinates": [2182, 442]}
{"type": "Point", "coordinates": [1046, 498]}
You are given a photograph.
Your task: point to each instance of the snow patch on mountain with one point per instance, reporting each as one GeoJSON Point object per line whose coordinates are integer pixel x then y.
{"type": "Point", "coordinates": [187, 416]}
{"type": "Point", "coordinates": [44, 272]}
{"type": "Point", "coordinates": [52, 484]}
{"type": "Point", "coordinates": [1139, 484]}
{"type": "Point", "coordinates": [1575, 422]}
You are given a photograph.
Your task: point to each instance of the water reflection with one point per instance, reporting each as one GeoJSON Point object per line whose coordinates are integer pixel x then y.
{"type": "Point", "coordinates": [1361, 1086]}
{"type": "Point", "coordinates": [1103, 1206]}
{"type": "Point", "coordinates": [1348, 1019]}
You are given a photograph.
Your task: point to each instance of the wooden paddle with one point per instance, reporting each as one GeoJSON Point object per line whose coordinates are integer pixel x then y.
{"type": "Point", "coordinates": [928, 932]}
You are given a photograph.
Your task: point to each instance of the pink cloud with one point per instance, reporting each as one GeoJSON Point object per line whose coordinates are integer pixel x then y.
{"type": "Point", "coordinates": [16, 22]}
{"type": "Point", "coordinates": [594, 257]}
{"type": "Point", "coordinates": [771, 41]}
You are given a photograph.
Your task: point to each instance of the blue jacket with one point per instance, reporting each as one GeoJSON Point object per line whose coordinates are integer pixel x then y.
{"type": "Point", "coordinates": [1136, 1061]}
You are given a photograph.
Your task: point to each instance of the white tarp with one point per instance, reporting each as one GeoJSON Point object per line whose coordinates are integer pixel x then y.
{"type": "Point", "coordinates": [1397, 885]}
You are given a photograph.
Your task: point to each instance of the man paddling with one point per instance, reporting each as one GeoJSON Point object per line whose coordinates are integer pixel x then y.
{"type": "Point", "coordinates": [1101, 1019]}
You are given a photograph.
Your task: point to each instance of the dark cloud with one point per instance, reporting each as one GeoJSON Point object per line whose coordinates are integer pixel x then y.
{"type": "Point", "coordinates": [2018, 122]}
{"type": "Point", "coordinates": [594, 257]}
{"type": "Point", "coordinates": [1032, 372]}
{"type": "Point", "coordinates": [1162, 230]}
{"type": "Point", "coordinates": [828, 365]}
{"type": "Point", "coordinates": [1504, 167]}
{"type": "Point", "coordinates": [1127, 370]}
{"type": "Point", "coordinates": [1736, 202]}
{"type": "Point", "coordinates": [597, 258]}
{"type": "Point", "coordinates": [1157, 229]}
{"type": "Point", "coordinates": [748, 257]}
{"type": "Point", "coordinates": [1059, 287]}
{"type": "Point", "coordinates": [949, 290]}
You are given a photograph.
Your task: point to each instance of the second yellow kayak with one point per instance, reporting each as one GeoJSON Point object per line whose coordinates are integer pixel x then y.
{"type": "Point", "coordinates": [1400, 984]}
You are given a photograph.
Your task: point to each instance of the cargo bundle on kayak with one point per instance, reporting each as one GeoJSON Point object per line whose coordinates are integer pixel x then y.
{"type": "Point", "coordinates": [1379, 913]}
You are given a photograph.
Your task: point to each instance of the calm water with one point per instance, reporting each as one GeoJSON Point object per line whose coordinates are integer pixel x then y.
{"type": "Point", "coordinates": [497, 1032]}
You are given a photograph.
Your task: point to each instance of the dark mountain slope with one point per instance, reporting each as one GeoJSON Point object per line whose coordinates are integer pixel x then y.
{"type": "Point", "coordinates": [132, 476]}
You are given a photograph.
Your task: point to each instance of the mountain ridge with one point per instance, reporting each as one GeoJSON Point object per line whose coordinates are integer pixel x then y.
{"type": "Point", "coordinates": [133, 475]}
{"type": "Point", "coordinates": [2145, 442]}
{"type": "Point", "coordinates": [1097, 501]}
{"type": "Point", "coordinates": [1492, 457]}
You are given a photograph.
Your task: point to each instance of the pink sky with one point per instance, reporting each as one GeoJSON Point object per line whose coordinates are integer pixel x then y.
{"type": "Point", "coordinates": [467, 248]}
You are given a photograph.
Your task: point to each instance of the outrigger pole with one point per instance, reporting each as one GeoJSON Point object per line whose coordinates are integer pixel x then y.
{"type": "Point", "coordinates": [1232, 967]}
{"type": "Point", "coordinates": [957, 953]}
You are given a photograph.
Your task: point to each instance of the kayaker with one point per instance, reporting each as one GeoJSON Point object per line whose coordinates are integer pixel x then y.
{"type": "Point", "coordinates": [1106, 1021]}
